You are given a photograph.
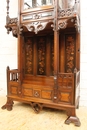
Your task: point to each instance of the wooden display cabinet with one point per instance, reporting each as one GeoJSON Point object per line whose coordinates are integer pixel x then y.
{"type": "Point", "coordinates": [48, 73]}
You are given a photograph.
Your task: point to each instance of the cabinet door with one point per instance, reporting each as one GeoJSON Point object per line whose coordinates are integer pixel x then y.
{"type": "Point", "coordinates": [39, 55]}
{"type": "Point", "coordinates": [28, 4]}
{"type": "Point", "coordinates": [67, 52]}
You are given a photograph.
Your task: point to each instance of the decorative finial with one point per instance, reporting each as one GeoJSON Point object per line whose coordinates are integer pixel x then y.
{"type": "Point", "coordinates": [7, 17]}
{"type": "Point", "coordinates": [8, 7]}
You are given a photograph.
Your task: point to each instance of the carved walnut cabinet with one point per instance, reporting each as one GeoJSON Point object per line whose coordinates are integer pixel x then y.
{"type": "Point", "coordinates": [48, 73]}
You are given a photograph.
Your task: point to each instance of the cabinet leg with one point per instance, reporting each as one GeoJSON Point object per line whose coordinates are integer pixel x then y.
{"type": "Point", "coordinates": [37, 107]}
{"type": "Point", "coordinates": [72, 118]}
{"type": "Point", "coordinates": [8, 105]}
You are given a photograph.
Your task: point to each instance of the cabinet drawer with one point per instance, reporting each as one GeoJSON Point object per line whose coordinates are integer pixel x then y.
{"type": "Point", "coordinates": [28, 92]}
{"type": "Point", "coordinates": [46, 94]}
{"type": "Point", "coordinates": [65, 97]}
{"type": "Point", "coordinates": [13, 90]}
{"type": "Point", "coordinates": [37, 92]}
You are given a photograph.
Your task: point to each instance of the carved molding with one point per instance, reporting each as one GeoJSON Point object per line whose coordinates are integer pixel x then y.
{"type": "Point", "coordinates": [67, 12]}
{"type": "Point", "coordinates": [36, 26]}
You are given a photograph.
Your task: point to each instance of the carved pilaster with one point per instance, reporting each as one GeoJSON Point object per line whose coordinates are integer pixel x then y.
{"type": "Point", "coordinates": [77, 24]}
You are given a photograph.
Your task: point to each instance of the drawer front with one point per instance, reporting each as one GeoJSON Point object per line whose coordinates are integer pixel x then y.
{"type": "Point", "coordinates": [28, 92]}
{"type": "Point", "coordinates": [46, 94]}
{"type": "Point", "coordinates": [13, 90]}
{"type": "Point", "coordinates": [65, 97]}
{"type": "Point", "coordinates": [36, 92]}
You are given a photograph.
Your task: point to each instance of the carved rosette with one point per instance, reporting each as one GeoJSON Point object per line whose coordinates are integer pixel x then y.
{"type": "Point", "coordinates": [62, 24]}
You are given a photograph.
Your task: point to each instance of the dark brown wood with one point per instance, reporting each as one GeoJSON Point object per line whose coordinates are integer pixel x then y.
{"type": "Point", "coordinates": [48, 73]}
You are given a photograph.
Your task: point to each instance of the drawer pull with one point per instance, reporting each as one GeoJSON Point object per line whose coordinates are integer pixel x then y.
{"type": "Point", "coordinates": [19, 92]}
{"type": "Point", "coordinates": [36, 94]}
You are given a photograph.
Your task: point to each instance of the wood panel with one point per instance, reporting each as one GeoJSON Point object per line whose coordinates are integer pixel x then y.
{"type": "Point", "coordinates": [39, 55]}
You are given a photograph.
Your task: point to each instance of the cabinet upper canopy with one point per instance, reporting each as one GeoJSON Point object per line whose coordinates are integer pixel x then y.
{"type": "Point", "coordinates": [63, 4]}
{"type": "Point", "coordinates": [36, 15]}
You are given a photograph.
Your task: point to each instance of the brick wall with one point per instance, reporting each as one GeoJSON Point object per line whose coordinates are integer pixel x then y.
{"type": "Point", "coordinates": [8, 48]}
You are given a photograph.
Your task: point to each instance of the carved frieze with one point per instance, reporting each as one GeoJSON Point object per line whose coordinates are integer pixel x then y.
{"type": "Point", "coordinates": [65, 12]}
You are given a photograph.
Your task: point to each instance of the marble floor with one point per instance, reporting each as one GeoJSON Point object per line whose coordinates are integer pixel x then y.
{"type": "Point", "coordinates": [22, 117]}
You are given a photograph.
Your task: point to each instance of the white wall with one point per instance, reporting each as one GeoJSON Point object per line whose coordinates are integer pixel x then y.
{"type": "Point", "coordinates": [8, 48]}
{"type": "Point", "coordinates": [8, 44]}
{"type": "Point", "coordinates": [83, 62]}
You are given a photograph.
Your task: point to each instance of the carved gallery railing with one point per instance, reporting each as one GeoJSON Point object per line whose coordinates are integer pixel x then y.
{"type": "Point", "coordinates": [12, 75]}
